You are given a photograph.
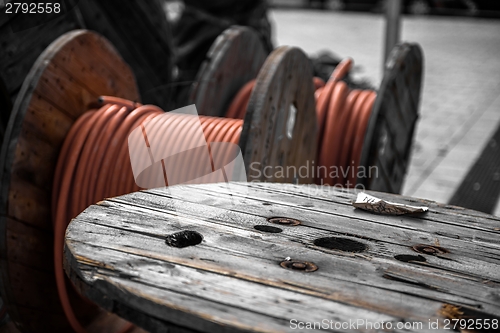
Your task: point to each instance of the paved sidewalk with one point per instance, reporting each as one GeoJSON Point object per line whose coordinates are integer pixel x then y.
{"type": "Point", "coordinates": [460, 105]}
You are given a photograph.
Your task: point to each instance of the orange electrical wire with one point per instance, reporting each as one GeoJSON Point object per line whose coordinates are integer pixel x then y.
{"type": "Point", "coordinates": [342, 115]}
{"type": "Point", "coordinates": [94, 164]}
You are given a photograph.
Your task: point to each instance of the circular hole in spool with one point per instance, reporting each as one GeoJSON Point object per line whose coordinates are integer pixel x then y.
{"type": "Point", "coordinates": [342, 244]}
{"type": "Point", "coordinates": [409, 258]}
{"type": "Point", "coordinates": [290, 123]}
{"type": "Point", "coordinates": [184, 239]}
{"type": "Point", "coordinates": [284, 221]}
{"type": "Point", "coordinates": [268, 228]}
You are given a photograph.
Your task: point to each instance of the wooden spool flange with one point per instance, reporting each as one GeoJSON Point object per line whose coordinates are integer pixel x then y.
{"type": "Point", "coordinates": [68, 76]}
{"type": "Point", "coordinates": [280, 128]}
{"type": "Point", "coordinates": [389, 135]}
{"type": "Point", "coordinates": [234, 58]}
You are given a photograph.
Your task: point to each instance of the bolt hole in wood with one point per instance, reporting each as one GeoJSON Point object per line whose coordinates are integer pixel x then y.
{"type": "Point", "coordinates": [341, 244]}
{"type": "Point", "coordinates": [184, 239]}
{"type": "Point", "coordinates": [284, 221]}
{"type": "Point", "coordinates": [409, 258]}
{"type": "Point", "coordinates": [268, 228]}
{"type": "Point", "coordinates": [430, 249]}
{"type": "Point", "coordinates": [298, 265]}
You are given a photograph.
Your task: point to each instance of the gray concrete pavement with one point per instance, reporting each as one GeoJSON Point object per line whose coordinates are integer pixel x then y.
{"type": "Point", "coordinates": [460, 106]}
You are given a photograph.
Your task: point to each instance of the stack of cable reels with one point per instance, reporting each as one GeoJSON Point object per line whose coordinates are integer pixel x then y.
{"type": "Point", "coordinates": [236, 63]}
{"type": "Point", "coordinates": [65, 82]}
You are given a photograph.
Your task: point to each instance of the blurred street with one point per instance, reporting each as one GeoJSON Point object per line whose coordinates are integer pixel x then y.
{"type": "Point", "coordinates": [460, 105]}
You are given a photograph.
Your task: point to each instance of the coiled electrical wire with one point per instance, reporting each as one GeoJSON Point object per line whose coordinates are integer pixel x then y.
{"type": "Point", "coordinates": [94, 164]}
{"type": "Point", "coordinates": [342, 115]}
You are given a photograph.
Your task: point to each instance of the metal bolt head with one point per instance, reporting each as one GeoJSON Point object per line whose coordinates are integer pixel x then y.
{"type": "Point", "coordinates": [284, 221]}
{"type": "Point", "coordinates": [298, 265]}
{"type": "Point", "coordinates": [429, 249]}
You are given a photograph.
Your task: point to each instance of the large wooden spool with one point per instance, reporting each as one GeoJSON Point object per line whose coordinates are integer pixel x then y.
{"type": "Point", "coordinates": [67, 77]}
{"type": "Point", "coordinates": [389, 135]}
{"type": "Point", "coordinates": [234, 58]}
{"type": "Point", "coordinates": [64, 82]}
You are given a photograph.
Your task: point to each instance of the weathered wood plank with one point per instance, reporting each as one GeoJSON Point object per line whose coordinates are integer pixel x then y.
{"type": "Point", "coordinates": [350, 221]}
{"type": "Point", "coordinates": [116, 251]}
{"type": "Point", "coordinates": [250, 243]}
{"type": "Point", "coordinates": [258, 299]}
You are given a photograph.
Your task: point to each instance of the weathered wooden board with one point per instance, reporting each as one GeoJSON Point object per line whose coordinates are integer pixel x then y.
{"type": "Point", "coordinates": [59, 87]}
{"type": "Point", "coordinates": [234, 58]}
{"type": "Point", "coordinates": [280, 128]}
{"type": "Point", "coordinates": [232, 281]}
{"type": "Point", "coordinates": [389, 135]}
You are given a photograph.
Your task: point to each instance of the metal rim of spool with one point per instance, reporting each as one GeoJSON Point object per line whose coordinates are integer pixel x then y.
{"type": "Point", "coordinates": [52, 96]}
{"type": "Point", "coordinates": [272, 136]}
{"type": "Point", "coordinates": [234, 58]}
{"type": "Point", "coordinates": [389, 134]}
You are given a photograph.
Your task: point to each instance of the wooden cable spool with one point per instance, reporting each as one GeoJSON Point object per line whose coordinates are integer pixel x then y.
{"type": "Point", "coordinates": [389, 135]}
{"type": "Point", "coordinates": [238, 56]}
{"type": "Point", "coordinates": [234, 58]}
{"type": "Point", "coordinates": [69, 75]}
{"type": "Point", "coordinates": [285, 129]}
{"type": "Point", "coordinates": [64, 82]}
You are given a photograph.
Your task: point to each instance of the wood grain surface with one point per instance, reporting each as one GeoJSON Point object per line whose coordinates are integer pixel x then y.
{"type": "Point", "coordinates": [68, 76]}
{"type": "Point", "coordinates": [234, 58]}
{"type": "Point", "coordinates": [232, 281]}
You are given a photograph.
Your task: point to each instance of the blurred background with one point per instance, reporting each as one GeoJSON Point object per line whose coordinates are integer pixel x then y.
{"type": "Point", "coordinates": [457, 132]}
